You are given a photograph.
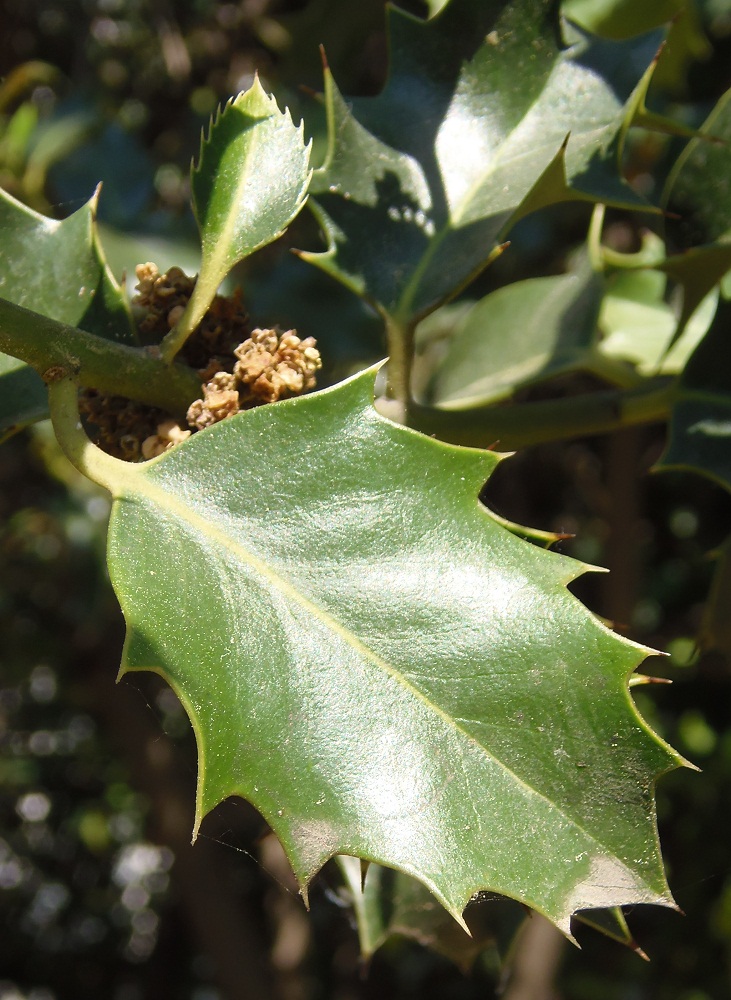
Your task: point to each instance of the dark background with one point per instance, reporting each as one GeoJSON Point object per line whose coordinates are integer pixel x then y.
{"type": "Point", "coordinates": [101, 895]}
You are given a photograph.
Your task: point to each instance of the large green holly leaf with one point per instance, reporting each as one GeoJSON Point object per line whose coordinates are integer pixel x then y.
{"type": "Point", "coordinates": [378, 665]}
{"type": "Point", "coordinates": [469, 133]}
{"type": "Point", "coordinates": [249, 183]}
{"type": "Point", "coordinates": [56, 268]}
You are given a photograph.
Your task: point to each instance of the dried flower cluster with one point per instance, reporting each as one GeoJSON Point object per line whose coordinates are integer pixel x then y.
{"type": "Point", "coordinates": [270, 366]}
{"type": "Point", "coordinates": [129, 430]}
{"type": "Point", "coordinates": [159, 303]}
{"type": "Point", "coordinates": [237, 370]}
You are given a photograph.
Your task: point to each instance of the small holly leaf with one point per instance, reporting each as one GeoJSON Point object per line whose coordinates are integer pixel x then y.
{"type": "Point", "coordinates": [249, 183]}
{"type": "Point", "coordinates": [377, 664]}
{"type": "Point", "coordinates": [612, 924]}
{"type": "Point", "coordinates": [58, 269]}
{"type": "Point", "coordinates": [518, 335]}
{"type": "Point", "coordinates": [421, 182]}
{"type": "Point", "coordinates": [639, 327]}
{"type": "Point", "coordinates": [700, 424]}
{"type": "Point", "coordinates": [392, 904]}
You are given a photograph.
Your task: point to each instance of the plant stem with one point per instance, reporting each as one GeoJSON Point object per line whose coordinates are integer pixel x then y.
{"type": "Point", "coordinates": [526, 424]}
{"type": "Point", "coordinates": [136, 373]}
{"type": "Point", "coordinates": [94, 362]}
{"type": "Point", "coordinates": [400, 341]}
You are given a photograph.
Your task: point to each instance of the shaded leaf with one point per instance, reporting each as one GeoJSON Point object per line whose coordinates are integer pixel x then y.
{"type": "Point", "coordinates": [612, 924]}
{"type": "Point", "coordinates": [520, 334]}
{"type": "Point", "coordinates": [249, 183]}
{"type": "Point", "coordinates": [715, 630]}
{"type": "Point", "coordinates": [23, 397]}
{"type": "Point", "coordinates": [56, 268]}
{"type": "Point", "coordinates": [378, 665]}
{"type": "Point", "coordinates": [700, 425]}
{"type": "Point", "coordinates": [639, 326]}
{"type": "Point", "coordinates": [394, 905]}
{"type": "Point", "coordinates": [698, 192]}
{"type": "Point", "coordinates": [422, 181]}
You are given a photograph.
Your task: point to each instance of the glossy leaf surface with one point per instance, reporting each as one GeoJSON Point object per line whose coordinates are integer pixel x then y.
{"type": "Point", "coordinates": [469, 133]}
{"type": "Point", "coordinates": [249, 183]}
{"type": "Point", "coordinates": [382, 668]}
{"type": "Point", "coordinates": [58, 269]}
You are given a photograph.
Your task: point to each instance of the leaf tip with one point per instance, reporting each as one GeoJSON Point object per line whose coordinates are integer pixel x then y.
{"type": "Point", "coordinates": [94, 201]}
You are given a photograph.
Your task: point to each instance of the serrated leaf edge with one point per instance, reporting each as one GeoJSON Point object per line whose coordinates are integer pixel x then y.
{"type": "Point", "coordinates": [365, 383]}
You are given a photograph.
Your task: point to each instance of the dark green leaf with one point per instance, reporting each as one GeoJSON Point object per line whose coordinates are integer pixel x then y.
{"type": "Point", "coordinates": [58, 269]}
{"type": "Point", "coordinates": [698, 192]}
{"type": "Point", "coordinates": [422, 181]}
{"type": "Point", "coordinates": [700, 427]}
{"type": "Point", "coordinates": [378, 665]}
{"type": "Point", "coordinates": [715, 630]}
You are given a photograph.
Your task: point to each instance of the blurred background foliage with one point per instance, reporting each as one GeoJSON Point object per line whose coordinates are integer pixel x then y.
{"type": "Point", "coordinates": [101, 894]}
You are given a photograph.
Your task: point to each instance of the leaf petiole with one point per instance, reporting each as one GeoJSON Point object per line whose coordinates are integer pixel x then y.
{"type": "Point", "coordinates": [90, 461]}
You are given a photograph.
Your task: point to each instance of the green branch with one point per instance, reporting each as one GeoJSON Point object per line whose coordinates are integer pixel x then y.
{"type": "Point", "coordinates": [526, 424]}
{"type": "Point", "coordinates": [94, 362]}
{"type": "Point", "coordinates": [136, 373]}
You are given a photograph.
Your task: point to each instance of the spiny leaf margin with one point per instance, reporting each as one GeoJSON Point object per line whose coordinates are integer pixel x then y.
{"type": "Point", "coordinates": [249, 183]}
{"type": "Point", "coordinates": [398, 795]}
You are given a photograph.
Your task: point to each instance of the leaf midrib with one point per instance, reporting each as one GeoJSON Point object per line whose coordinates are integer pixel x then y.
{"type": "Point", "coordinates": [454, 219]}
{"type": "Point", "coordinates": [223, 238]}
{"type": "Point", "coordinates": [161, 497]}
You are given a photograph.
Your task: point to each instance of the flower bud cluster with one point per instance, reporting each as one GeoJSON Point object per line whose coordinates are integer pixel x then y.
{"type": "Point", "coordinates": [238, 369]}
{"type": "Point", "coordinates": [270, 366]}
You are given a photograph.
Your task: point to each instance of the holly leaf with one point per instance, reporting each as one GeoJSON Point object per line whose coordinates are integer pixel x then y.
{"type": "Point", "coordinates": [414, 205]}
{"type": "Point", "coordinates": [621, 18]}
{"type": "Point", "coordinates": [520, 334]}
{"type": "Point", "coordinates": [390, 904]}
{"type": "Point", "coordinates": [249, 183]}
{"type": "Point", "coordinates": [640, 327]}
{"type": "Point", "coordinates": [378, 665]}
{"type": "Point", "coordinates": [58, 269]}
{"type": "Point", "coordinates": [612, 923]}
